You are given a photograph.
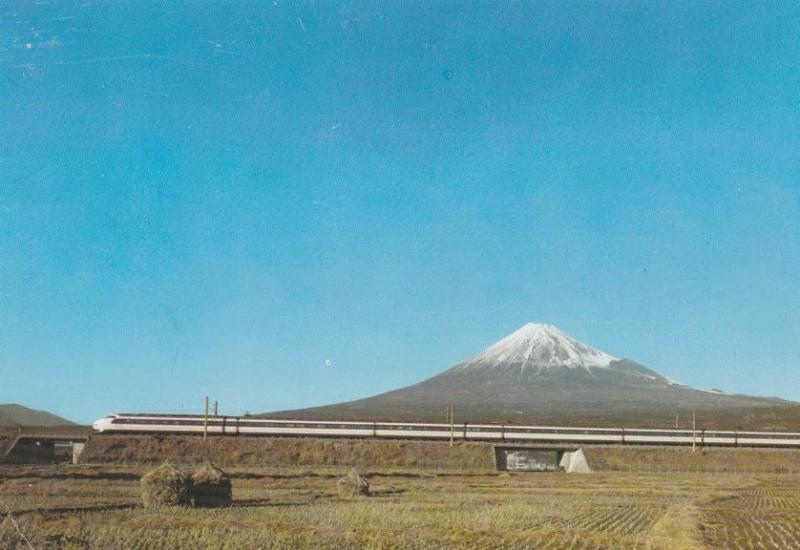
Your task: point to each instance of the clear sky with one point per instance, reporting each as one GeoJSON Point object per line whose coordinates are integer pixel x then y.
{"type": "Point", "coordinates": [284, 205]}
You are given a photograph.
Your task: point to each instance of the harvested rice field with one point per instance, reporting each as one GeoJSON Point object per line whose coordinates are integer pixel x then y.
{"type": "Point", "coordinates": [100, 508]}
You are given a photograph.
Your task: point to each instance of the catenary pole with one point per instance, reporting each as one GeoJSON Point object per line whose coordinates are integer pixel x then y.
{"type": "Point", "coordinates": [451, 424]}
{"type": "Point", "coordinates": [205, 421]}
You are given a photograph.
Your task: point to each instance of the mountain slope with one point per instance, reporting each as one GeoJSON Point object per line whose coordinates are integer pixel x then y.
{"type": "Point", "coordinates": [539, 374]}
{"type": "Point", "coordinates": [12, 414]}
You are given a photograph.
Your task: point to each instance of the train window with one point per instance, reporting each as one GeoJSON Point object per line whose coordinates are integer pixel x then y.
{"type": "Point", "coordinates": [768, 436]}
{"type": "Point", "coordinates": [642, 433]}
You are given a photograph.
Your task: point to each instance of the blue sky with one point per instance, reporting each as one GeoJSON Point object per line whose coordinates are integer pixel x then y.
{"type": "Point", "coordinates": [221, 197]}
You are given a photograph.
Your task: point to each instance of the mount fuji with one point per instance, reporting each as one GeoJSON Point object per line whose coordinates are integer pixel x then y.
{"type": "Point", "coordinates": [539, 374]}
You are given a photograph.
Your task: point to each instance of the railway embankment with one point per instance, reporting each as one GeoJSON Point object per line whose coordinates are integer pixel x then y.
{"type": "Point", "coordinates": [287, 452]}
{"type": "Point", "coordinates": [426, 455]}
{"type": "Point", "coordinates": [618, 458]}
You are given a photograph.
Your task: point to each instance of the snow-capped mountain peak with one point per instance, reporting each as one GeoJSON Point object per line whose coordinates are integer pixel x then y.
{"type": "Point", "coordinates": [539, 375]}
{"type": "Point", "coordinates": [540, 346]}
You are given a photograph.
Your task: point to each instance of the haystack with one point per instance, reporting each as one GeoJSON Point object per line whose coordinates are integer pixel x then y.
{"type": "Point", "coordinates": [166, 486]}
{"type": "Point", "coordinates": [352, 485]}
{"type": "Point", "coordinates": [211, 487]}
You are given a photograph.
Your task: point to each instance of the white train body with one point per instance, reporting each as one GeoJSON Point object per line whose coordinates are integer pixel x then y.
{"type": "Point", "coordinates": [251, 426]}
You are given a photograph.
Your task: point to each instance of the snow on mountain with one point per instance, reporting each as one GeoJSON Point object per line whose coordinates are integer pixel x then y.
{"type": "Point", "coordinates": [539, 346]}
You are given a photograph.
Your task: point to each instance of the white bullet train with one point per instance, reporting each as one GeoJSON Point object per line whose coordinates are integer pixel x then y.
{"type": "Point", "coordinates": [252, 426]}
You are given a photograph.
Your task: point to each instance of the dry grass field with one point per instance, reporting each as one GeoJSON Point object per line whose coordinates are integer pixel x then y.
{"type": "Point", "coordinates": [98, 507]}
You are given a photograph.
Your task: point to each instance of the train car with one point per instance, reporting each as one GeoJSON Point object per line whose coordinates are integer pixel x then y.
{"type": "Point", "coordinates": [251, 426]}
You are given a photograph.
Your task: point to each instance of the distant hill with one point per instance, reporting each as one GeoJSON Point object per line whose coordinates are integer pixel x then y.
{"type": "Point", "coordinates": [540, 375]}
{"type": "Point", "coordinates": [12, 414]}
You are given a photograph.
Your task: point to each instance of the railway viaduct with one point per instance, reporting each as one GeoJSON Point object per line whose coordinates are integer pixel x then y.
{"type": "Point", "coordinates": [43, 446]}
